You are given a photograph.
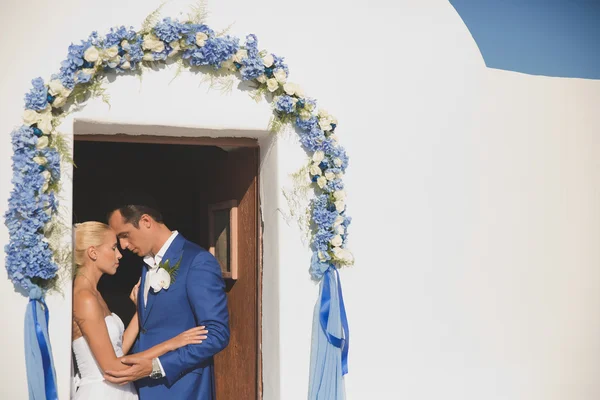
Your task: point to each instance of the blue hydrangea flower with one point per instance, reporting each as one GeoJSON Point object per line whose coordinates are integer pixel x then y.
{"type": "Point", "coordinates": [251, 68]}
{"type": "Point", "coordinates": [169, 30]}
{"type": "Point", "coordinates": [116, 36]}
{"type": "Point", "coordinates": [312, 140]}
{"type": "Point", "coordinates": [189, 31]}
{"type": "Point", "coordinates": [278, 63]}
{"type": "Point", "coordinates": [321, 239]}
{"type": "Point", "coordinates": [53, 161]}
{"type": "Point", "coordinates": [251, 46]}
{"type": "Point", "coordinates": [340, 152]}
{"type": "Point", "coordinates": [334, 185]}
{"type": "Point", "coordinates": [321, 215]}
{"type": "Point", "coordinates": [37, 98]}
{"type": "Point", "coordinates": [136, 53]}
{"type": "Point", "coordinates": [307, 125]}
{"type": "Point", "coordinates": [82, 77]}
{"type": "Point", "coordinates": [74, 61]}
{"type": "Point", "coordinates": [285, 104]}
{"type": "Point", "coordinates": [27, 253]}
{"type": "Point", "coordinates": [214, 52]}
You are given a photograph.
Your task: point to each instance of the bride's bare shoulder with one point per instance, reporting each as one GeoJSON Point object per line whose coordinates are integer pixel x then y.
{"type": "Point", "coordinates": [86, 301]}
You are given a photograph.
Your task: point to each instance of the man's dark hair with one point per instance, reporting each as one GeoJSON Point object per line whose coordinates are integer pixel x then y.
{"type": "Point", "coordinates": [132, 205]}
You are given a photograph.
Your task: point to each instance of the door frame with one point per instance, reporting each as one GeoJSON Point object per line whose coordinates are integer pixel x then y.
{"type": "Point", "coordinates": [219, 142]}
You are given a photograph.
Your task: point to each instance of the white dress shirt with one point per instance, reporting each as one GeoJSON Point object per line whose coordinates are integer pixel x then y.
{"type": "Point", "coordinates": [153, 262]}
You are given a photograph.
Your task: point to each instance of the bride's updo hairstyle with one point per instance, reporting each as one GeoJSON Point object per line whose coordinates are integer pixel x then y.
{"type": "Point", "coordinates": [86, 235]}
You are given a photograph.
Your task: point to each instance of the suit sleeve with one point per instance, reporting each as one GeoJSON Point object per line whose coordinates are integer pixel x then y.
{"type": "Point", "coordinates": [206, 294]}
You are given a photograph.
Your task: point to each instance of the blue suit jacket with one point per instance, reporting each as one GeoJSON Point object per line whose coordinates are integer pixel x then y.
{"type": "Point", "coordinates": [196, 298]}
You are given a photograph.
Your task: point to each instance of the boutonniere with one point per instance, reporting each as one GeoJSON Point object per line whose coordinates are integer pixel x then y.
{"type": "Point", "coordinates": [164, 276]}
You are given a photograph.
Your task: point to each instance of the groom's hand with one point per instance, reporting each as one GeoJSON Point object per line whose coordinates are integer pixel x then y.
{"type": "Point", "coordinates": [138, 368]}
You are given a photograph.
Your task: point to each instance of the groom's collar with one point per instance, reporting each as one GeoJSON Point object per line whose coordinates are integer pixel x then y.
{"type": "Point", "coordinates": [153, 260]}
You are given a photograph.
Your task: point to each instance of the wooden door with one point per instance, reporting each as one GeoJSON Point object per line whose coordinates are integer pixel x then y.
{"type": "Point", "coordinates": [237, 370]}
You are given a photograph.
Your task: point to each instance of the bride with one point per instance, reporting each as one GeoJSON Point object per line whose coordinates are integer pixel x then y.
{"type": "Point", "coordinates": [99, 336]}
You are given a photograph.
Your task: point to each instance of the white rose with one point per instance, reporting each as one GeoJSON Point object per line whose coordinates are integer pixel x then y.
{"type": "Point", "coordinates": [88, 71]}
{"type": "Point", "coordinates": [305, 114]}
{"type": "Point", "coordinates": [110, 52]}
{"type": "Point", "coordinates": [262, 78]}
{"type": "Point", "coordinates": [59, 102]}
{"type": "Point", "coordinates": [30, 117]}
{"type": "Point", "coordinates": [42, 142]}
{"type": "Point", "coordinates": [337, 162]}
{"type": "Point", "coordinates": [336, 241]}
{"type": "Point", "coordinates": [340, 175]}
{"type": "Point", "coordinates": [339, 194]}
{"type": "Point", "coordinates": [343, 255]}
{"type": "Point", "coordinates": [340, 229]}
{"type": "Point", "coordinates": [280, 75]}
{"type": "Point", "coordinates": [175, 46]}
{"type": "Point", "coordinates": [46, 175]}
{"type": "Point", "coordinates": [160, 280]}
{"type": "Point", "coordinates": [334, 137]}
{"type": "Point", "coordinates": [321, 181]}
{"type": "Point", "coordinates": [338, 220]}
{"type": "Point", "coordinates": [45, 122]}
{"type": "Point", "coordinates": [299, 91]}
{"type": "Point", "coordinates": [268, 60]}
{"type": "Point", "coordinates": [323, 113]}
{"type": "Point", "coordinates": [329, 175]}
{"type": "Point", "coordinates": [56, 88]}
{"type": "Point", "coordinates": [201, 38]}
{"type": "Point", "coordinates": [40, 160]}
{"type": "Point", "coordinates": [241, 54]}
{"type": "Point", "coordinates": [91, 54]}
{"type": "Point", "coordinates": [151, 42]}
{"type": "Point", "coordinates": [314, 169]}
{"type": "Point", "coordinates": [227, 65]}
{"type": "Point", "coordinates": [318, 156]}
{"type": "Point", "coordinates": [290, 88]}
{"type": "Point", "coordinates": [113, 62]}
{"type": "Point", "coordinates": [340, 205]}
{"type": "Point", "coordinates": [325, 124]}
{"type": "Point", "coordinates": [126, 65]}
{"type": "Point", "coordinates": [148, 57]}
{"type": "Point", "coordinates": [272, 84]}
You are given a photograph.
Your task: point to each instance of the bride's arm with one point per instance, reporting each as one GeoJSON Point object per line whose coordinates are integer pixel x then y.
{"type": "Point", "coordinates": [88, 315]}
{"type": "Point", "coordinates": [191, 336]}
{"type": "Point", "coordinates": [133, 329]}
{"type": "Point", "coordinates": [131, 333]}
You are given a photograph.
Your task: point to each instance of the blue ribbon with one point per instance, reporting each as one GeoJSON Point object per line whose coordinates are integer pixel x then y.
{"type": "Point", "coordinates": [41, 334]}
{"type": "Point", "coordinates": [340, 343]}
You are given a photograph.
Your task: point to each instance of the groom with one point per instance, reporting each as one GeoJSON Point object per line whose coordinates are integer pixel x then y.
{"type": "Point", "coordinates": [195, 297]}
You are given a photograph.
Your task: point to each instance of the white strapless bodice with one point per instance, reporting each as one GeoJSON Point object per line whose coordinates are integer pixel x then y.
{"type": "Point", "coordinates": [91, 377]}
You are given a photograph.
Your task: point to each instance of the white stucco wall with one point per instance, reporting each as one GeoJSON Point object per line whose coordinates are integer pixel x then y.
{"type": "Point", "coordinates": [474, 194]}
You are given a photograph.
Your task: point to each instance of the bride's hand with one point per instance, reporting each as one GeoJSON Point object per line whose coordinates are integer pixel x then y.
{"type": "Point", "coordinates": [134, 292]}
{"type": "Point", "coordinates": [191, 336]}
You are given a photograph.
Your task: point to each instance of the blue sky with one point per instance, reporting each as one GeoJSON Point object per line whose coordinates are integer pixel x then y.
{"type": "Point", "coordinates": [541, 37]}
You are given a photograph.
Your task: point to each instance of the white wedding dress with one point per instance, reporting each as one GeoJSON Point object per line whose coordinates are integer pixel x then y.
{"type": "Point", "coordinates": [90, 383]}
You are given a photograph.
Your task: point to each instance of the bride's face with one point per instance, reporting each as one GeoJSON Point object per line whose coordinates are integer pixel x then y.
{"type": "Point", "coordinates": [108, 254]}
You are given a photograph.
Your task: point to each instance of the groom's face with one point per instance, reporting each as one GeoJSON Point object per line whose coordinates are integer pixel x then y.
{"type": "Point", "coordinates": [137, 240]}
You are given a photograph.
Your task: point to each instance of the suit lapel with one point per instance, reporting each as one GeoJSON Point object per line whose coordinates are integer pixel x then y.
{"type": "Point", "coordinates": [172, 254]}
{"type": "Point", "coordinates": [140, 303]}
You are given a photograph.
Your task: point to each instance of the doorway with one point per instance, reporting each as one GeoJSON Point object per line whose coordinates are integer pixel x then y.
{"type": "Point", "coordinates": [189, 178]}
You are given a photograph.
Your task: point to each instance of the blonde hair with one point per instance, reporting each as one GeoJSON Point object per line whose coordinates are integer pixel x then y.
{"type": "Point", "coordinates": [86, 235]}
